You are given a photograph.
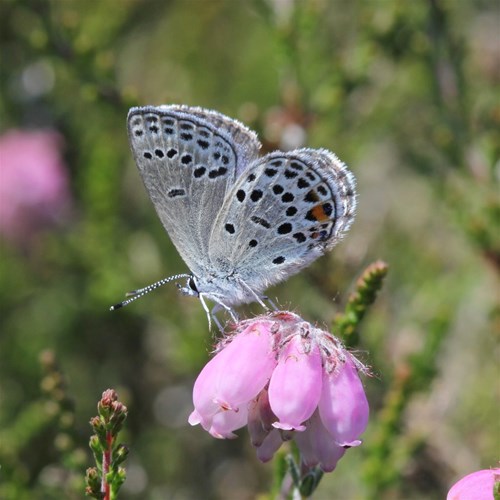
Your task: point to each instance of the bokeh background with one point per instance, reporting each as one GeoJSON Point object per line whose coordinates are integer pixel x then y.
{"type": "Point", "coordinates": [406, 93]}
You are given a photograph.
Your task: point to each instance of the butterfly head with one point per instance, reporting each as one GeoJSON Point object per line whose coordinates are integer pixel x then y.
{"type": "Point", "coordinates": [190, 287]}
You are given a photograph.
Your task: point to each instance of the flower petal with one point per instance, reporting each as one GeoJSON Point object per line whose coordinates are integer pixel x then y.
{"type": "Point", "coordinates": [317, 446]}
{"type": "Point", "coordinates": [235, 375]}
{"type": "Point", "coordinates": [270, 446]}
{"type": "Point", "coordinates": [248, 362]}
{"type": "Point", "coordinates": [225, 422]}
{"type": "Point", "coordinates": [343, 406]}
{"type": "Point", "coordinates": [295, 386]}
{"type": "Point", "coordinates": [258, 427]}
{"type": "Point", "coordinates": [478, 485]}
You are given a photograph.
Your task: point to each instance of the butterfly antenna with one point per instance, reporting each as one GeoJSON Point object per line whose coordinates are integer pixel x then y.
{"type": "Point", "coordinates": [137, 294]}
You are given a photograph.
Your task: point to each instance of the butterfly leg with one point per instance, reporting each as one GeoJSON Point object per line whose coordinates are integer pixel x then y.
{"type": "Point", "coordinates": [271, 303]}
{"type": "Point", "coordinates": [257, 298]}
{"type": "Point", "coordinates": [205, 307]}
{"type": "Point", "coordinates": [219, 306]}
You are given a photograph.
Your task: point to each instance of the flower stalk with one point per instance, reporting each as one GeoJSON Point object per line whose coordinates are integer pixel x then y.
{"type": "Point", "coordinates": [104, 481]}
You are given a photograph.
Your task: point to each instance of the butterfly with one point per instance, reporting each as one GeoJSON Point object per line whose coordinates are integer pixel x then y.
{"type": "Point", "coordinates": [241, 222]}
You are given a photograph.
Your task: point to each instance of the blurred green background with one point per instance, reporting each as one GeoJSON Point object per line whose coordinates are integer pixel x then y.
{"type": "Point", "coordinates": [406, 93]}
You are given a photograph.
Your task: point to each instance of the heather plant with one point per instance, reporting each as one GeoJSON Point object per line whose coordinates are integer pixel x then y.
{"type": "Point", "coordinates": [405, 92]}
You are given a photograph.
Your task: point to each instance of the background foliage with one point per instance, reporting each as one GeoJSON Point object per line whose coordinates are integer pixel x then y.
{"type": "Point", "coordinates": [405, 92]}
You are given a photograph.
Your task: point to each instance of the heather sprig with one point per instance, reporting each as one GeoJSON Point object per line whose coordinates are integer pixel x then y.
{"type": "Point", "coordinates": [105, 480]}
{"type": "Point", "coordinates": [367, 288]}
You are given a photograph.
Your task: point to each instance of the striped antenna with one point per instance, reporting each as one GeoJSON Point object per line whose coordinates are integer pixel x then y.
{"type": "Point", "coordinates": [137, 294]}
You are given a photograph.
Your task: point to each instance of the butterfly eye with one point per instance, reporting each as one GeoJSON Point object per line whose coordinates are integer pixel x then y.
{"type": "Point", "coordinates": [192, 285]}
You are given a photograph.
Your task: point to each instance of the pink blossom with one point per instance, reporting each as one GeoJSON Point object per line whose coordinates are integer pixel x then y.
{"type": "Point", "coordinates": [479, 485]}
{"type": "Point", "coordinates": [232, 378]}
{"type": "Point", "coordinates": [285, 379]}
{"type": "Point", "coordinates": [295, 386]}
{"type": "Point", "coordinates": [33, 183]}
{"type": "Point", "coordinates": [343, 406]}
{"type": "Point", "coordinates": [317, 445]}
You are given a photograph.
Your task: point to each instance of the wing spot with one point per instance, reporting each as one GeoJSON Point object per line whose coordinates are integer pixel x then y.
{"type": "Point", "coordinates": [138, 133]}
{"type": "Point", "coordinates": [311, 197]}
{"type": "Point", "coordinates": [318, 235]}
{"type": "Point", "coordinates": [151, 119]}
{"type": "Point", "coordinates": [199, 172]}
{"type": "Point", "coordinates": [154, 129]}
{"type": "Point", "coordinates": [285, 228]}
{"type": "Point", "coordinates": [287, 198]}
{"type": "Point", "coordinates": [302, 183]}
{"type": "Point", "coordinates": [290, 174]}
{"type": "Point", "coordinates": [251, 178]}
{"type": "Point", "coordinates": [300, 237]}
{"type": "Point", "coordinates": [225, 159]}
{"type": "Point", "coordinates": [204, 133]}
{"type": "Point", "coordinates": [216, 155]}
{"type": "Point", "coordinates": [186, 126]}
{"type": "Point", "coordinates": [217, 172]}
{"type": "Point", "coordinates": [173, 193]}
{"type": "Point", "coordinates": [278, 189]}
{"type": "Point", "coordinates": [203, 144]}
{"type": "Point", "coordinates": [296, 166]}
{"type": "Point", "coordinates": [320, 212]}
{"type": "Point", "coordinates": [279, 260]}
{"type": "Point", "coordinates": [159, 153]}
{"type": "Point", "coordinates": [136, 121]}
{"type": "Point", "coordinates": [310, 216]}
{"type": "Point", "coordinates": [322, 190]}
{"type": "Point", "coordinates": [186, 137]}
{"type": "Point", "coordinates": [311, 176]}
{"type": "Point", "coordinates": [148, 155]}
{"type": "Point", "coordinates": [256, 195]}
{"type": "Point", "coordinates": [291, 211]}
{"type": "Point", "coordinates": [171, 153]}
{"type": "Point", "coordinates": [169, 130]}
{"type": "Point", "coordinates": [186, 159]}
{"type": "Point", "coordinates": [253, 243]}
{"type": "Point", "coordinates": [277, 163]}
{"type": "Point", "coordinates": [270, 172]}
{"type": "Point", "coordinates": [230, 228]}
{"type": "Point", "coordinates": [240, 195]}
{"type": "Point", "coordinates": [168, 121]}
{"type": "Point", "coordinates": [260, 221]}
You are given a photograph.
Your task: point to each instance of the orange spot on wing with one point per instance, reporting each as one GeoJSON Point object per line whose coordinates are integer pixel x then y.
{"type": "Point", "coordinates": [319, 213]}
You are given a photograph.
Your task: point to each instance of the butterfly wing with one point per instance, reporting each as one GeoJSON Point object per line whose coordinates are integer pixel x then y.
{"type": "Point", "coordinates": [188, 159]}
{"type": "Point", "coordinates": [284, 211]}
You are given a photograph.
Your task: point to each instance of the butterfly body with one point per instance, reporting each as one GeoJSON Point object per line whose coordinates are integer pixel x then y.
{"type": "Point", "coordinates": [240, 222]}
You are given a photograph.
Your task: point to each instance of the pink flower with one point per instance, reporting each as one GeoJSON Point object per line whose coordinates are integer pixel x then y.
{"type": "Point", "coordinates": [33, 183]}
{"type": "Point", "coordinates": [479, 485]}
{"type": "Point", "coordinates": [285, 379]}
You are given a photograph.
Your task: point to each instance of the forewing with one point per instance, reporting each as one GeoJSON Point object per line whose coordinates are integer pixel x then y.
{"type": "Point", "coordinates": [187, 163]}
{"type": "Point", "coordinates": [244, 140]}
{"type": "Point", "coordinates": [285, 211]}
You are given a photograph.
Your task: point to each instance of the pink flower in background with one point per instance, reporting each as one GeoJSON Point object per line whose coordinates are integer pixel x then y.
{"type": "Point", "coordinates": [479, 485]}
{"type": "Point", "coordinates": [33, 183]}
{"type": "Point", "coordinates": [284, 379]}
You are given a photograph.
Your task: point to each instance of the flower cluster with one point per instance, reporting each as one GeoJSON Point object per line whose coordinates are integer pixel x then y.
{"type": "Point", "coordinates": [34, 190]}
{"type": "Point", "coordinates": [285, 379]}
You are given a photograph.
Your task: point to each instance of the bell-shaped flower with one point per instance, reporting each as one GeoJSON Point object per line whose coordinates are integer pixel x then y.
{"type": "Point", "coordinates": [295, 386]}
{"type": "Point", "coordinates": [317, 446]}
{"type": "Point", "coordinates": [235, 375]}
{"type": "Point", "coordinates": [480, 485]}
{"type": "Point", "coordinates": [343, 406]}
